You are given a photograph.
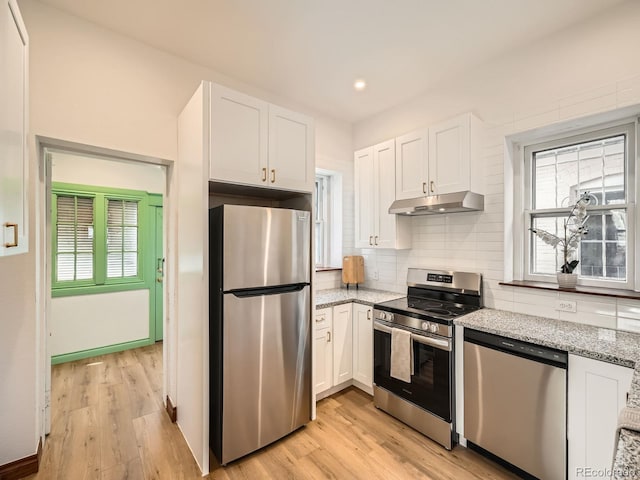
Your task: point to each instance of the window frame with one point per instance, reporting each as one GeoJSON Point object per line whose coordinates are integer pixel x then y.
{"type": "Point", "coordinates": [100, 282]}
{"type": "Point", "coordinates": [571, 138]}
{"type": "Point", "coordinates": [321, 217]}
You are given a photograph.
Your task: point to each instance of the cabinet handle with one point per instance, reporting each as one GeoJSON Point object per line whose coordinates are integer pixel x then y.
{"type": "Point", "coordinates": [432, 186]}
{"type": "Point", "coordinates": [375, 242]}
{"type": "Point", "coordinates": [264, 174]}
{"type": "Point", "coordinates": [273, 176]}
{"type": "Point", "coordinates": [328, 337]}
{"type": "Point", "coordinates": [424, 187]}
{"type": "Point", "coordinates": [368, 314]}
{"type": "Point", "coordinates": [15, 234]}
{"type": "Point", "coordinates": [371, 240]}
{"type": "Point", "coordinates": [320, 318]}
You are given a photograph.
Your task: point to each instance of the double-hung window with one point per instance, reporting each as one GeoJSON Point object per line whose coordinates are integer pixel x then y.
{"type": "Point", "coordinates": [602, 164]}
{"type": "Point", "coordinates": [97, 241]}
{"type": "Point", "coordinates": [322, 220]}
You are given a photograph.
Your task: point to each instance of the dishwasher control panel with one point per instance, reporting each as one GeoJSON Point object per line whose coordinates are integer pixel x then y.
{"type": "Point", "coordinates": [517, 347]}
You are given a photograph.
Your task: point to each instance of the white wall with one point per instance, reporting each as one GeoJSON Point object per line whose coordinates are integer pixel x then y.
{"type": "Point", "coordinates": [83, 322]}
{"type": "Point", "coordinates": [102, 172]}
{"type": "Point", "coordinates": [86, 322]}
{"type": "Point", "coordinates": [92, 86]}
{"type": "Point", "coordinates": [587, 69]}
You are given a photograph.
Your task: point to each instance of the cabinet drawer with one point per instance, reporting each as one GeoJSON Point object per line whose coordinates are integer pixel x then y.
{"type": "Point", "coordinates": [322, 319]}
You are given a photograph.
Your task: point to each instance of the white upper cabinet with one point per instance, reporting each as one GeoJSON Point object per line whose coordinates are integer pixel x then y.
{"type": "Point", "coordinates": [374, 193]}
{"type": "Point", "coordinates": [453, 156]}
{"type": "Point", "coordinates": [14, 157]}
{"type": "Point", "coordinates": [257, 143]}
{"type": "Point", "coordinates": [239, 136]}
{"type": "Point", "coordinates": [364, 195]}
{"type": "Point", "coordinates": [385, 224]}
{"type": "Point", "coordinates": [291, 147]}
{"type": "Point", "coordinates": [412, 162]}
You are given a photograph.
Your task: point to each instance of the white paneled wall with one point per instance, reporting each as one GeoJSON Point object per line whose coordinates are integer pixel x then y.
{"type": "Point", "coordinates": [582, 71]}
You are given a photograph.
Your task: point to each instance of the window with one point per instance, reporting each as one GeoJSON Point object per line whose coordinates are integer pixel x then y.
{"type": "Point", "coordinates": [74, 231]}
{"type": "Point", "coordinates": [96, 237]}
{"type": "Point", "coordinates": [556, 174]}
{"type": "Point", "coordinates": [122, 238]}
{"type": "Point", "coordinates": [322, 221]}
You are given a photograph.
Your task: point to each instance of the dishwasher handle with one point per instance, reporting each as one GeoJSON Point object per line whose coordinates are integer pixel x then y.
{"type": "Point", "coordinates": [531, 351]}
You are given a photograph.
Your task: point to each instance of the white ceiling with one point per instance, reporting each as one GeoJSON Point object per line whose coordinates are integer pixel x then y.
{"type": "Point", "coordinates": [311, 51]}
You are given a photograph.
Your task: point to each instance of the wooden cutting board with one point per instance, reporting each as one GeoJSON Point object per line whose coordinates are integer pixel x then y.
{"type": "Point", "coordinates": [352, 269]}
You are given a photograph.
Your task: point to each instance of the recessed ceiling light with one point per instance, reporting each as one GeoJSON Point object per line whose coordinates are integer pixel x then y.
{"type": "Point", "coordinates": [359, 85]}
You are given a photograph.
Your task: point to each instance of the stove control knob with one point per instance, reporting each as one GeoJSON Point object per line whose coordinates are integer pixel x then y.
{"type": "Point", "coordinates": [425, 325]}
{"type": "Point", "coordinates": [390, 316]}
{"type": "Point", "coordinates": [433, 328]}
{"type": "Point", "coordinates": [383, 315]}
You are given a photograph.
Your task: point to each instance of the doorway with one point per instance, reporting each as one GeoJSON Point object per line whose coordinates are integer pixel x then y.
{"type": "Point", "coordinates": [135, 281]}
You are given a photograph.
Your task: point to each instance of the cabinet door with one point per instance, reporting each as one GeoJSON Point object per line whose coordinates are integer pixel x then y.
{"type": "Point", "coordinates": [363, 344]}
{"type": "Point", "coordinates": [385, 192]}
{"type": "Point", "coordinates": [342, 344]}
{"type": "Point", "coordinates": [412, 164]}
{"type": "Point", "coordinates": [597, 393]}
{"type": "Point", "coordinates": [291, 150]}
{"type": "Point", "coordinates": [14, 159]}
{"type": "Point", "coordinates": [239, 135]}
{"type": "Point", "coordinates": [449, 152]}
{"type": "Point", "coordinates": [323, 360]}
{"type": "Point", "coordinates": [364, 197]}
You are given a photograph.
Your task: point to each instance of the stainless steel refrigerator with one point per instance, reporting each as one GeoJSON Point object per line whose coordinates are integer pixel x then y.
{"type": "Point", "coordinates": [260, 326]}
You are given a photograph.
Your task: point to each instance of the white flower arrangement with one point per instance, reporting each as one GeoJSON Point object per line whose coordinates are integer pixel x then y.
{"type": "Point", "coordinates": [574, 229]}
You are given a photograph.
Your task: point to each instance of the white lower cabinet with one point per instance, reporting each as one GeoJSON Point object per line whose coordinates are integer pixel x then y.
{"type": "Point", "coordinates": [343, 348]}
{"type": "Point", "coordinates": [322, 351]}
{"type": "Point", "coordinates": [332, 348]}
{"type": "Point", "coordinates": [363, 346]}
{"type": "Point", "coordinates": [342, 344]}
{"type": "Point", "coordinates": [597, 393]}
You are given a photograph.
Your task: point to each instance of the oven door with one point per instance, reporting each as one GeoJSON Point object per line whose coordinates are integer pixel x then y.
{"type": "Point", "coordinates": [431, 381]}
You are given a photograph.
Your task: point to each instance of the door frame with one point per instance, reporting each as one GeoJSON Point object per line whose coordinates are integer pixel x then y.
{"type": "Point", "coordinates": [43, 267]}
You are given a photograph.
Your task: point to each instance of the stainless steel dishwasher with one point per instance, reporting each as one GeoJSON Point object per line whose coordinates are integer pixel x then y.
{"type": "Point", "coordinates": [515, 404]}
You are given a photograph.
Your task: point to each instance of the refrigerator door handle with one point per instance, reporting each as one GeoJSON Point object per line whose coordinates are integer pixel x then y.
{"type": "Point", "coordinates": [257, 292]}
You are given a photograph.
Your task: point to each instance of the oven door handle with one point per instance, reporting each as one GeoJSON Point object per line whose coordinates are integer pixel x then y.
{"type": "Point", "coordinates": [438, 343]}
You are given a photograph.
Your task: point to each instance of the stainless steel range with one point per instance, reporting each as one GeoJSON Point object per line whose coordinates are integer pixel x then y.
{"type": "Point", "coordinates": [414, 381]}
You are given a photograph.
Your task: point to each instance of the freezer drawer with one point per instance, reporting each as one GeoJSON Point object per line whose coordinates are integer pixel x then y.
{"type": "Point", "coordinates": [266, 369]}
{"type": "Point", "coordinates": [264, 246]}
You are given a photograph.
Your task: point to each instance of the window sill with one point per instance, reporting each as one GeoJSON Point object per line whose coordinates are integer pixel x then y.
{"type": "Point", "coordinates": [328, 269]}
{"type": "Point", "coordinates": [603, 292]}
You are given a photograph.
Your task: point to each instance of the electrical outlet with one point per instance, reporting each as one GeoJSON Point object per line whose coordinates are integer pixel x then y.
{"type": "Point", "coordinates": [375, 274]}
{"type": "Point", "coordinates": [566, 306]}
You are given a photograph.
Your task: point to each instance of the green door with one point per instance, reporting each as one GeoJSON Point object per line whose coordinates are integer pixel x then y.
{"type": "Point", "coordinates": [159, 273]}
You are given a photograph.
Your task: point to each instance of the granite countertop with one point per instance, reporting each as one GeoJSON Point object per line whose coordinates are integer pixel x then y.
{"type": "Point", "coordinates": [611, 346]}
{"type": "Point", "coordinates": [336, 296]}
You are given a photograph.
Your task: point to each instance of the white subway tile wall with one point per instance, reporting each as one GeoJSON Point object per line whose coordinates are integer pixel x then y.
{"type": "Point", "coordinates": [328, 280]}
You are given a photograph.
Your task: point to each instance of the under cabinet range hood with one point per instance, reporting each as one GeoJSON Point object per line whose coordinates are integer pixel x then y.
{"type": "Point", "coordinates": [439, 204]}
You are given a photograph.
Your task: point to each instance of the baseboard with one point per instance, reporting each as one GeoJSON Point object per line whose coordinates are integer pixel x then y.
{"type": "Point", "coordinates": [22, 467]}
{"type": "Point", "coordinates": [172, 411]}
{"type": "Point", "coordinates": [95, 352]}
{"type": "Point", "coordinates": [342, 386]}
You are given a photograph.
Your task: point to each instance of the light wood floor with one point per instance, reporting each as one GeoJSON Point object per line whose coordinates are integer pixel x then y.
{"type": "Point", "coordinates": [108, 422]}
